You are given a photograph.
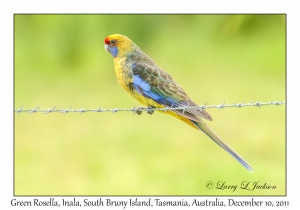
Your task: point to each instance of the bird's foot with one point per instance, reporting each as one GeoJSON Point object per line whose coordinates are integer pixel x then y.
{"type": "Point", "coordinates": [139, 110]}
{"type": "Point", "coordinates": [150, 110]}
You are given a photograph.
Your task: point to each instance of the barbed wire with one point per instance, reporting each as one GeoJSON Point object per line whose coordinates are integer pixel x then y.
{"type": "Point", "coordinates": [149, 110]}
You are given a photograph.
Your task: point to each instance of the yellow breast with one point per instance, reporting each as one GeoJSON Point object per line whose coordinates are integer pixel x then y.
{"type": "Point", "coordinates": [123, 71]}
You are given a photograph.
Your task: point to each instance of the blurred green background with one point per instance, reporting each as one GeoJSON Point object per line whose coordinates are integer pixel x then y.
{"type": "Point", "coordinates": [60, 61]}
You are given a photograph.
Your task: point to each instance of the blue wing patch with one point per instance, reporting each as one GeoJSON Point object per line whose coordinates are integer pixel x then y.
{"type": "Point", "coordinates": [144, 88]}
{"type": "Point", "coordinates": [140, 84]}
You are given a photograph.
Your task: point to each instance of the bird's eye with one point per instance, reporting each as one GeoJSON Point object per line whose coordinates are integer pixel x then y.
{"type": "Point", "coordinates": [113, 41]}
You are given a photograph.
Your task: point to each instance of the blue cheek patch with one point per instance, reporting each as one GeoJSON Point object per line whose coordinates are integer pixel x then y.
{"type": "Point", "coordinates": [114, 51]}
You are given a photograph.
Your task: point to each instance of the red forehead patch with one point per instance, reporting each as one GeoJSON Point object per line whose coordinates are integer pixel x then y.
{"type": "Point", "coordinates": [106, 40]}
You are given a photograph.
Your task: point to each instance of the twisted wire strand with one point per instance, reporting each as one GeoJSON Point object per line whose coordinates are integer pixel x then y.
{"type": "Point", "coordinates": [146, 109]}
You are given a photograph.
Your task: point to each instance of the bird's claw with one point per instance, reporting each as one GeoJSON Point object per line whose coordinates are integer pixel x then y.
{"type": "Point", "coordinates": [150, 110]}
{"type": "Point", "coordinates": [139, 110]}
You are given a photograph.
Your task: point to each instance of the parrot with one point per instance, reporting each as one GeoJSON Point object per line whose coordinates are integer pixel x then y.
{"type": "Point", "coordinates": [152, 86]}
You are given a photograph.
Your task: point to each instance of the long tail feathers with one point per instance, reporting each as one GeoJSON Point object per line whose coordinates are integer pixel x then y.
{"type": "Point", "coordinates": [210, 133]}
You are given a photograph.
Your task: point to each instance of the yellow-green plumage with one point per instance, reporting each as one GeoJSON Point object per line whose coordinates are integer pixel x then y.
{"type": "Point", "coordinates": [152, 86]}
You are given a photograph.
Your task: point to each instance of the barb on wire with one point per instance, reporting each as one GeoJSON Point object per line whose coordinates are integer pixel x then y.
{"type": "Point", "coordinates": [149, 109]}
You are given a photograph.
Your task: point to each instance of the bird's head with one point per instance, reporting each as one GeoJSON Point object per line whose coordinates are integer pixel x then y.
{"type": "Point", "coordinates": [117, 44]}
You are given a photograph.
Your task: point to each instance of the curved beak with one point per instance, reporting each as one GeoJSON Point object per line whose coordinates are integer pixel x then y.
{"type": "Point", "coordinates": [106, 47]}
